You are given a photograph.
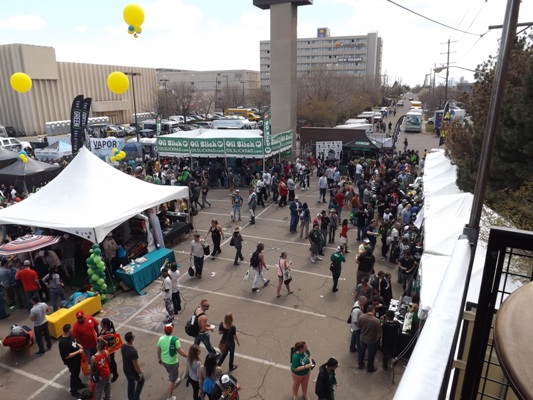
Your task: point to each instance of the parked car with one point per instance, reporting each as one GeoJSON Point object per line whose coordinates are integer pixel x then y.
{"type": "Point", "coordinates": [431, 121]}
{"type": "Point", "coordinates": [14, 144]}
{"type": "Point", "coordinates": [115, 130]}
{"type": "Point", "coordinates": [399, 103]}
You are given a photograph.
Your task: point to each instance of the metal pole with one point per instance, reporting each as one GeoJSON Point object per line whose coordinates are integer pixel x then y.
{"type": "Point", "coordinates": [447, 75]}
{"type": "Point", "coordinates": [476, 353]}
{"type": "Point", "coordinates": [133, 74]}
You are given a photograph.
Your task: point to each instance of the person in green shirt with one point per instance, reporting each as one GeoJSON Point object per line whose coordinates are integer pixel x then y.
{"type": "Point", "coordinates": [168, 347]}
{"type": "Point", "coordinates": [337, 259]}
{"type": "Point", "coordinates": [301, 366]}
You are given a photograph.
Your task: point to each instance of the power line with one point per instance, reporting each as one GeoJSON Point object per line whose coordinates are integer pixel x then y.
{"type": "Point", "coordinates": [432, 20]}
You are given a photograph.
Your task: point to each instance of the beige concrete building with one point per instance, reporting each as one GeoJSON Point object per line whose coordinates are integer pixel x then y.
{"type": "Point", "coordinates": [213, 81]}
{"type": "Point", "coordinates": [55, 84]}
{"type": "Point", "coordinates": [359, 56]}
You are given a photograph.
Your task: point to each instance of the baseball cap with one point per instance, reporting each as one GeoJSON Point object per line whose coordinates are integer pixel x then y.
{"type": "Point", "coordinates": [296, 198]}
{"type": "Point", "coordinates": [27, 262]}
{"type": "Point", "coordinates": [339, 248]}
{"type": "Point", "coordinates": [80, 314]}
{"type": "Point", "coordinates": [168, 328]}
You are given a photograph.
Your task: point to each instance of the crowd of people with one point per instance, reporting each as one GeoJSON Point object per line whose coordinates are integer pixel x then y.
{"type": "Point", "coordinates": [375, 197]}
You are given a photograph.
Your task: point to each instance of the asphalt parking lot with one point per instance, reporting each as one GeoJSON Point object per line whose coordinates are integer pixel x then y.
{"type": "Point", "coordinates": [267, 326]}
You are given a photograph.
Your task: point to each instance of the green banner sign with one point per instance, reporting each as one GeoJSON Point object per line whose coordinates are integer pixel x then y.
{"type": "Point", "coordinates": [233, 147]}
{"type": "Point", "coordinates": [245, 146]}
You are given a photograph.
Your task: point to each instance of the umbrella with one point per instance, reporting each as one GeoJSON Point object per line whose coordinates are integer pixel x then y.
{"type": "Point", "coordinates": [28, 243]}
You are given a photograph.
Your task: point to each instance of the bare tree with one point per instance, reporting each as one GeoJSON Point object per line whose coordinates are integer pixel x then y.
{"type": "Point", "coordinates": [260, 98]}
{"type": "Point", "coordinates": [204, 101]}
{"type": "Point", "coordinates": [185, 97]}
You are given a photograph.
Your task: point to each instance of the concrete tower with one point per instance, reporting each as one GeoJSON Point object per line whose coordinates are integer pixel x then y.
{"type": "Point", "coordinates": [283, 35]}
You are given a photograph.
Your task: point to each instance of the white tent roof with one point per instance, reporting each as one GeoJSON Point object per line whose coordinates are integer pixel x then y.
{"type": "Point", "coordinates": [439, 175]}
{"type": "Point", "coordinates": [89, 199]}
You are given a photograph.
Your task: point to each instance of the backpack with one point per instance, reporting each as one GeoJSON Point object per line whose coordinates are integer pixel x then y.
{"type": "Point", "coordinates": [208, 386]}
{"type": "Point", "coordinates": [254, 260]}
{"type": "Point", "coordinates": [349, 320]}
{"type": "Point", "coordinates": [191, 327]}
{"type": "Point", "coordinates": [172, 350]}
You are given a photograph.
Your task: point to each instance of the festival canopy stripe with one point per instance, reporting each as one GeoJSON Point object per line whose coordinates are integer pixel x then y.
{"type": "Point", "coordinates": [28, 243]}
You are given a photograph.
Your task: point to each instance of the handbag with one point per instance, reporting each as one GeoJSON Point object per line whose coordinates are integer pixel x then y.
{"type": "Point", "coordinates": [333, 267]}
{"type": "Point", "coordinates": [207, 250]}
{"type": "Point", "coordinates": [223, 348]}
{"type": "Point", "coordinates": [232, 241]}
{"type": "Point", "coordinates": [190, 271]}
{"type": "Point", "coordinates": [287, 278]}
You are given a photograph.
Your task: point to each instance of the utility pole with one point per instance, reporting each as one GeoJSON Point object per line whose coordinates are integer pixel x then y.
{"type": "Point", "coordinates": [447, 71]}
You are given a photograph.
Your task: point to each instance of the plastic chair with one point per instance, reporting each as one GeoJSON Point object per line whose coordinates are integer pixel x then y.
{"type": "Point", "coordinates": [17, 343]}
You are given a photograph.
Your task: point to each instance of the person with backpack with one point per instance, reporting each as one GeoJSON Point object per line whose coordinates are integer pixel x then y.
{"type": "Point", "coordinates": [168, 348]}
{"type": "Point", "coordinates": [226, 388]}
{"type": "Point", "coordinates": [201, 326]}
{"type": "Point", "coordinates": [326, 380]}
{"type": "Point", "coordinates": [357, 311]}
{"type": "Point", "coordinates": [257, 262]}
{"type": "Point", "coordinates": [209, 373]}
{"type": "Point", "coordinates": [336, 259]}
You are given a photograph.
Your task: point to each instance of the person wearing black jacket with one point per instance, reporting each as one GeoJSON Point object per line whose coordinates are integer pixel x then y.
{"type": "Point", "coordinates": [326, 381]}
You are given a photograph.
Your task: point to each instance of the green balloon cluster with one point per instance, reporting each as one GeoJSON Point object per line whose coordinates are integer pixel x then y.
{"type": "Point", "coordinates": [96, 271]}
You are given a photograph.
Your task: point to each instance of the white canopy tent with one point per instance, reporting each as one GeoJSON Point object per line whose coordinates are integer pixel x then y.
{"type": "Point", "coordinates": [439, 175]}
{"type": "Point", "coordinates": [89, 199]}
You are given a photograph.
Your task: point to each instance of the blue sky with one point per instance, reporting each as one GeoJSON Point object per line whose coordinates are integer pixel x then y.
{"type": "Point", "coordinates": [217, 34]}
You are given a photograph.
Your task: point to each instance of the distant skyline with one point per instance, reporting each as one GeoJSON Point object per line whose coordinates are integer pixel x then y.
{"type": "Point", "coordinates": [214, 34]}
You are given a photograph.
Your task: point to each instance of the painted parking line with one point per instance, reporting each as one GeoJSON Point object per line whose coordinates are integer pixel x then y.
{"type": "Point", "coordinates": [245, 262]}
{"type": "Point", "coordinates": [243, 356]}
{"type": "Point", "coordinates": [36, 378]}
{"type": "Point", "coordinates": [253, 301]}
{"type": "Point", "coordinates": [48, 383]}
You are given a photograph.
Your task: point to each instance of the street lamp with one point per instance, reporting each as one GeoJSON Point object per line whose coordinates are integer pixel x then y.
{"type": "Point", "coordinates": [243, 82]}
{"type": "Point", "coordinates": [165, 80]}
{"type": "Point", "coordinates": [447, 68]}
{"type": "Point", "coordinates": [133, 75]}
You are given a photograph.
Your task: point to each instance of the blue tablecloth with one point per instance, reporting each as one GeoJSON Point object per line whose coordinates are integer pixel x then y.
{"type": "Point", "coordinates": [145, 273]}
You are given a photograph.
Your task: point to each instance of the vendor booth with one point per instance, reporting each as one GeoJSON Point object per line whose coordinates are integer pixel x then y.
{"type": "Point", "coordinates": [28, 175]}
{"type": "Point", "coordinates": [90, 199]}
{"type": "Point", "coordinates": [55, 151]}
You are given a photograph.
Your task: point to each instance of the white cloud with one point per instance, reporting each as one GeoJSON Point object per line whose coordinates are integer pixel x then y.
{"type": "Point", "coordinates": [23, 23]}
{"type": "Point", "coordinates": [81, 28]}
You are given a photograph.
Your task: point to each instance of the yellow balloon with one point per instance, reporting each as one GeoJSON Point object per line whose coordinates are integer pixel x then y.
{"type": "Point", "coordinates": [138, 29]}
{"type": "Point", "coordinates": [122, 154]}
{"type": "Point", "coordinates": [133, 15]}
{"type": "Point", "coordinates": [118, 82]}
{"type": "Point", "coordinates": [114, 149]}
{"type": "Point", "coordinates": [20, 82]}
{"type": "Point", "coordinates": [113, 159]}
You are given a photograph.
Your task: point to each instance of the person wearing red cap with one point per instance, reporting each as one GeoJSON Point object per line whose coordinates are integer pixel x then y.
{"type": "Point", "coordinates": [85, 331]}
{"type": "Point", "coordinates": [168, 347]}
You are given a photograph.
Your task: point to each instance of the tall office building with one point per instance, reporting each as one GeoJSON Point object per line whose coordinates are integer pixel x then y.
{"type": "Point", "coordinates": [358, 56]}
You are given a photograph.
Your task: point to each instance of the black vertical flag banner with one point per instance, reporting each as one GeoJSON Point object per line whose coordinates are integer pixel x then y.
{"type": "Point", "coordinates": [76, 131]}
{"type": "Point", "coordinates": [85, 108]}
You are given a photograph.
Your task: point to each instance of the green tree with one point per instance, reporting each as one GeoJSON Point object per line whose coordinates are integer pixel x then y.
{"type": "Point", "coordinates": [512, 159]}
